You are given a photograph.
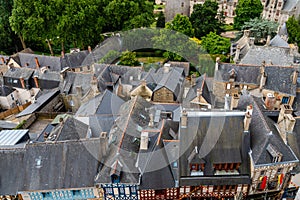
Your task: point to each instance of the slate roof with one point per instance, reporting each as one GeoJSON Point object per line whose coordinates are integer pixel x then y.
{"type": "Point", "coordinates": [49, 166]}
{"type": "Point", "coordinates": [277, 41]}
{"type": "Point", "coordinates": [219, 138]}
{"type": "Point", "coordinates": [28, 60]}
{"type": "Point", "coordinates": [71, 129]}
{"type": "Point", "coordinates": [200, 84]}
{"type": "Point", "coordinates": [74, 60]}
{"type": "Point", "coordinates": [5, 90]}
{"type": "Point", "coordinates": [275, 55]}
{"type": "Point", "coordinates": [4, 124]}
{"type": "Point", "coordinates": [294, 141]}
{"type": "Point", "coordinates": [248, 74]}
{"type": "Point", "coordinates": [278, 77]}
{"type": "Point", "coordinates": [283, 30]}
{"type": "Point", "coordinates": [173, 80]}
{"type": "Point", "coordinates": [72, 80]}
{"type": "Point", "coordinates": [263, 132]}
{"type": "Point", "coordinates": [184, 65]}
{"type": "Point", "coordinates": [290, 4]}
{"type": "Point", "coordinates": [106, 103]}
{"type": "Point", "coordinates": [19, 73]}
{"type": "Point", "coordinates": [39, 103]}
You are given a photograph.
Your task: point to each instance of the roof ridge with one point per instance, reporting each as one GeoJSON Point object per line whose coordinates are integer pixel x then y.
{"type": "Point", "coordinates": [261, 116]}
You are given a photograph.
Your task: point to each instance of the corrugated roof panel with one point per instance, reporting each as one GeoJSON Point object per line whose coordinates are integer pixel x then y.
{"type": "Point", "coordinates": [11, 137]}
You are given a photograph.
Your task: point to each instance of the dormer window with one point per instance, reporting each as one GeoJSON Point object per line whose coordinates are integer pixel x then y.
{"type": "Point", "coordinates": [275, 154]}
{"type": "Point", "coordinates": [115, 172]}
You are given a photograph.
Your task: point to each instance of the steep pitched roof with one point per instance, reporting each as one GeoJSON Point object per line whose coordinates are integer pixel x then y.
{"type": "Point", "coordinates": [74, 59]}
{"type": "Point", "coordinates": [28, 60]}
{"type": "Point", "coordinates": [218, 138]}
{"type": "Point", "coordinates": [106, 103]}
{"type": "Point", "coordinates": [5, 90]}
{"type": "Point", "coordinates": [72, 80]}
{"type": "Point", "coordinates": [264, 132]}
{"type": "Point", "coordinates": [275, 55]}
{"type": "Point", "coordinates": [19, 73]}
{"type": "Point", "coordinates": [49, 166]}
{"type": "Point", "coordinates": [290, 4]}
{"type": "Point", "coordinates": [277, 41]}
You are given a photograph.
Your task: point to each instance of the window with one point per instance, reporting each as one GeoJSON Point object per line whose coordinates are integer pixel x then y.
{"type": "Point", "coordinates": [279, 171]}
{"type": "Point", "coordinates": [262, 172]}
{"type": "Point", "coordinates": [175, 164]}
{"type": "Point", "coordinates": [285, 100]}
{"type": "Point", "coordinates": [182, 4]}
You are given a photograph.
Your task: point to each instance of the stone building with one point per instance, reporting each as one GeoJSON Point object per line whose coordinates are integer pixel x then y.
{"type": "Point", "coordinates": [174, 7]}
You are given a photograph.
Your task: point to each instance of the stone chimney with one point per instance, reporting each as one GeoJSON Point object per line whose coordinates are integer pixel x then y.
{"type": "Point", "coordinates": [217, 64]}
{"type": "Point", "coordinates": [234, 101]}
{"type": "Point", "coordinates": [151, 122]}
{"type": "Point", "coordinates": [227, 102]}
{"type": "Point", "coordinates": [251, 41]}
{"type": "Point", "coordinates": [294, 49]}
{"type": "Point", "coordinates": [104, 144]}
{"type": "Point", "coordinates": [248, 116]}
{"type": "Point", "coordinates": [166, 68]}
{"type": "Point", "coordinates": [184, 119]}
{"type": "Point", "coordinates": [22, 82]}
{"type": "Point", "coordinates": [89, 49]}
{"type": "Point", "coordinates": [246, 33]}
{"type": "Point", "coordinates": [295, 77]}
{"type": "Point", "coordinates": [79, 91]}
{"type": "Point", "coordinates": [270, 101]}
{"type": "Point", "coordinates": [263, 76]}
{"type": "Point", "coordinates": [268, 40]}
{"type": "Point", "coordinates": [94, 85]}
{"type": "Point", "coordinates": [62, 54]}
{"type": "Point", "coordinates": [237, 53]}
{"type": "Point", "coordinates": [286, 121]}
{"type": "Point", "coordinates": [37, 64]}
{"type": "Point", "coordinates": [144, 141]}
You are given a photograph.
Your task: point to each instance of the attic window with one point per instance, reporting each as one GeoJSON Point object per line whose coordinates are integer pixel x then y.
{"type": "Point", "coordinates": [276, 155]}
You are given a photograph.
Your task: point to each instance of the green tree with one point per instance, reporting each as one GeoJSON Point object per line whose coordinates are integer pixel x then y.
{"type": "Point", "coordinates": [246, 10]}
{"type": "Point", "coordinates": [293, 28]}
{"type": "Point", "coordinates": [161, 20]}
{"type": "Point", "coordinates": [128, 58]}
{"type": "Point", "coordinates": [261, 28]}
{"type": "Point", "coordinates": [205, 19]}
{"type": "Point", "coordinates": [8, 39]}
{"type": "Point", "coordinates": [110, 57]}
{"type": "Point", "coordinates": [128, 14]}
{"type": "Point", "coordinates": [215, 44]}
{"type": "Point", "coordinates": [181, 24]}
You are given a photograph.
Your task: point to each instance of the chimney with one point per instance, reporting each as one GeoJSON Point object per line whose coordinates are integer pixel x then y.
{"type": "Point", "coordinates": [199, 94]}
{"type": "Point", "coordinates": [234, 101]}
{"type": "Point", "coordinates": [227, 102]}
{"type": "Point", "coordinates": [237, 53]}
{"type": "Point", "coordinates": [232, 76]}
{"type": "Point", "coordinates": [62, 54]}
{"type": "Point", "coordinates": [151, 122]}
{"type": "Point", "coordinates": [3, 60]}
{"type": "Point", "coordinates": [217, 64]}
{"type": "Point", "coordinates": [143, 83]}
{"type": "Point", "coordinates": [94, 85]}
{"type": "Point", "coordinates": [144, 141]}
{"type": "Point", "coordinates": [246, 33]}
{"type": "Point", "coordinates": [263, 76]}
{"type": "Point", "coordinates": [295, 77]}
{"type": "Point", "coordinates": [166, 68]}
{"type": "Point", "coordinates": [270, 101]}
{"type": "Point", "coordinates": [37, 62]}
{"type": "Point", "coordinates": [184, 119]}
{"type": "Point", "coordinates": [36, 81]}
{"type": "Point", "coordinates": [61, 121]}
{"type": "Point", "coordinates": [251, 41]}
{"type": "Point", "coordinates": [248, 116]}
{"type": "Point", "coordinates": [22, 82]}
{"type": "Point", "coordinates": [193, 80]}
{"type": "Point", "coordinates": [104, 143]}
{"type": "Point", "coordinates": [294, 49]}
{"type": "Point", "coordinates": [89, 49]}
{"type": "Point", "coordinates": [268, 40]}
{"type": "Point", "coordinates": [286, 121]}
{"type": "Point", "coordinates": [79, 91]}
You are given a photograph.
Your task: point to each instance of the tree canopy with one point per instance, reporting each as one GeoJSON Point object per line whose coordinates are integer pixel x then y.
{"type": "Point", "coordinates": [246, 10]}
{"type": "Point", "coordinates": [204, 18]}
{"type": "Point", "coordinates": [128, 58]}
{"type": "Point", "coordinates": [293, 28]}
{"type": "Point", "coordinates": [215, 44]}
{"type": "Point", "coordinates": [161, 20]}
{"type": "Point", "coordinates": [182, 24]}
{"type": "Point", "coordinates": [261, 28]}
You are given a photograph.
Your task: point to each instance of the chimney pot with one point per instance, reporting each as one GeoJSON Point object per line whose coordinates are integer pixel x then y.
{"type": "Point", "coordinates": [184, 119]}
{"type": "Point", "coordinates": [37, 62]}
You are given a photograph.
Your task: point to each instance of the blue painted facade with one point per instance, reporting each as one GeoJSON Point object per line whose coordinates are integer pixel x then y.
{"type": "Point", "coordinates": [120, 191]}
